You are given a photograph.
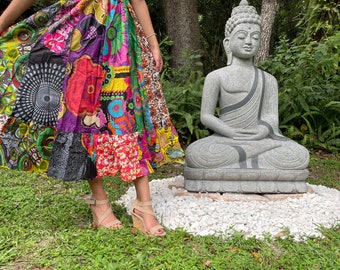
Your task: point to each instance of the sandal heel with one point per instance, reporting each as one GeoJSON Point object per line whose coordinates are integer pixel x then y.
{"type": "Point", "coordinates": [138, 222]}
{"type": "Point", "coordinates": [97, 221]}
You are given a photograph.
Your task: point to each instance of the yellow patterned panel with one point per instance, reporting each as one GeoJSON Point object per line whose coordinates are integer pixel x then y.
{"type": "Point", "coordinates": [119, 82]}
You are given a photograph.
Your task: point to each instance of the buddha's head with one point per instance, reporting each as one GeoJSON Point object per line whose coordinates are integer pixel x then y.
{"type": "Point", "coordinates": [242, 32]}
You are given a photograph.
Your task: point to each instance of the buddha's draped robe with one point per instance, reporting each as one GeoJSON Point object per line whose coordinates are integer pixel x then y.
{"type": "Point", "coordinates": [273, 152]}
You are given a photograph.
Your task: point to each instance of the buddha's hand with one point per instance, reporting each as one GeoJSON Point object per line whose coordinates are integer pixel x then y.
{"type": "Point", "coordinates": [258, 133]}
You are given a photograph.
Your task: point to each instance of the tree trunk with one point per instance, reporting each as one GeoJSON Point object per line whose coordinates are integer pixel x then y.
{"type": "Point", "coordinates": [268, 11]}
{"type": "Point", "coordinates": [181, 18]}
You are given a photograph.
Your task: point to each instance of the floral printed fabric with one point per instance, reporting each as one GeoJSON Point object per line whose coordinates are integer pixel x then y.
{"type": "Point", "coordinates": [79, 96]}
{"type": "Point", "coordinates": [118, 153]}
{"type": "Point", "coordinates": [167, 147]}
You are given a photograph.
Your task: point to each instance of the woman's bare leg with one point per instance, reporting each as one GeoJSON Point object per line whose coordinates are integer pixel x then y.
{"type": "Point", "coordinates": [97, 188]}
{"type": "Point", "coordinates": [98, 193]}
{"type": "Point", "coordinates": [143, 195]}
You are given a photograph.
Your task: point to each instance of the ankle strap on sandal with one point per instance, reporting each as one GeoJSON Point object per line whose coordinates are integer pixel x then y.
{"type": "Point", "coordinates": [96, 202]}
{"type": "Point", "coordinates": [139, 203]}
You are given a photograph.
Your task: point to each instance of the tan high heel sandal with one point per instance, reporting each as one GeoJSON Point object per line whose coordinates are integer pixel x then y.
{"type": "Point", "coordinates": [97, 222]}
{"type": "Point", "coordinates": [138, 221]}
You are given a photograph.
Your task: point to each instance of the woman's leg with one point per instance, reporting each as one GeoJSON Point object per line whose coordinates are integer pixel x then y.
{"type": "Point", "coordinates": [143, 195]}
{"type": "Point", "coordinates": [99, 210]}
{"type": "Point", "coordinates": [97, 188]}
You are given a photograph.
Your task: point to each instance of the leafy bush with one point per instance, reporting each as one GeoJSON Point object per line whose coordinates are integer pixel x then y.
{"type": "Point", "coordinates": [183, 92]}
{"type": "Point", "coordinates": [309, 98]}
{"type": "Point", "coordinates": [320, 19]}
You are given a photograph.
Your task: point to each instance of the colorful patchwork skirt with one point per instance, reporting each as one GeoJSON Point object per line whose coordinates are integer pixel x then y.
{"type": "Point", "coordinates": [79, 96]}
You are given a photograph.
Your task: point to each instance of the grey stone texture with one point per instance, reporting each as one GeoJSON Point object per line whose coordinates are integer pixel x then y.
{"type": "Point", "coordinates": [246, 153]}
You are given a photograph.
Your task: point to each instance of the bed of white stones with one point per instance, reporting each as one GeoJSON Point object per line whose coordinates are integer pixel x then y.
{"type": "Point", "coordinates": [300, 215]}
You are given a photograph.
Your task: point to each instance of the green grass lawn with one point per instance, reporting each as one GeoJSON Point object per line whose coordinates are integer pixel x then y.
{"type": "Point", "coordinates": [43, 225]}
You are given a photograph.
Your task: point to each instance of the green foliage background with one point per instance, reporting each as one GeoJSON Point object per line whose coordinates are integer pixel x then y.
{"type": "Point", "coordinates": [305, 61]}
{"type": "Point", "coordinates": [309, 99]}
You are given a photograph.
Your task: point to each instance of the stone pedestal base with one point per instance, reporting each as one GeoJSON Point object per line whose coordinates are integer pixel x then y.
{"type": "Point", "coordinates": [245, 180]}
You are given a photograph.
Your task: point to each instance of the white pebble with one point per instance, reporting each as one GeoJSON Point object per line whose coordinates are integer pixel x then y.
{"type": "Point", "coordinates": [202, 216]}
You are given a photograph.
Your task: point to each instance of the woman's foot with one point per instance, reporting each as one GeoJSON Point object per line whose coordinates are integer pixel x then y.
{"type": "Point", "coordinates": [102, 214]}
{"type": "Point", "coordinates": [144, 219]}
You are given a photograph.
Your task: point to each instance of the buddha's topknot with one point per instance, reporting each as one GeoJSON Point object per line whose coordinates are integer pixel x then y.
{"type": "Point", "coordinates": [242, 14]}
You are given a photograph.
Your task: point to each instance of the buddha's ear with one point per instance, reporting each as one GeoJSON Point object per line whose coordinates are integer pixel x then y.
{"type": "Point", "coordinates": [226, 45]}
{"type": "Point", "coordinates": [228, 51]}
{"type": "Point", "coordinates": [226, 42]}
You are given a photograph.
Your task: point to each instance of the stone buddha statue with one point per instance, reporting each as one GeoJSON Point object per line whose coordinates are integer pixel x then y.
{"type": "Point", "coordinates": [246, 153]}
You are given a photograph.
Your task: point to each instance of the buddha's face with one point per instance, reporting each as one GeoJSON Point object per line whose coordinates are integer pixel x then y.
{"type": "Point", "coordinates": [244, 40]}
